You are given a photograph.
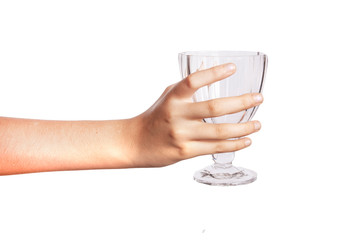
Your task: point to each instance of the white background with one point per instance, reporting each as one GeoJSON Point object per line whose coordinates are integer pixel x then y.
{"type": "Point", "coordinates": [78, 60]}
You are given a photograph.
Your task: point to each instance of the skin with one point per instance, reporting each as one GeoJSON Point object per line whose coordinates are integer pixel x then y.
{"type": "Point", "coordinates": [169, 131]}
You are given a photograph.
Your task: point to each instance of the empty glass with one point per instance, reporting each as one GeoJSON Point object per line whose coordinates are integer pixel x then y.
{"type": "Point", "coordinates": [248, 78]}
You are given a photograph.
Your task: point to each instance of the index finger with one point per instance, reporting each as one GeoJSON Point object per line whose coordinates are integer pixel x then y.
{"type": "Point", "coordinates": [188, 86]}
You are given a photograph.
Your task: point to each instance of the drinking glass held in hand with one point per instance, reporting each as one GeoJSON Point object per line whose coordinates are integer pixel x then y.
{"type": "Point", "coordinates": [219, 96]}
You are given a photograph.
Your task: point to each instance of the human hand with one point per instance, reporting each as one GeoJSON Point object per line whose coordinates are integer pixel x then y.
{"type": "Point", "coordinates": [169, 131]}
{"type": "Point", "coordinates": [172, 129]}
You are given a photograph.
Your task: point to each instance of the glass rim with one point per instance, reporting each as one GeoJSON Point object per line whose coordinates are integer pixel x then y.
{"type": "Point", "coordinates": [222, 53]}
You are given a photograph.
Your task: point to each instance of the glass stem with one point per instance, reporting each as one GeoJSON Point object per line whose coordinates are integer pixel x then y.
{"type": "Point", "coordinates": [223, 160]}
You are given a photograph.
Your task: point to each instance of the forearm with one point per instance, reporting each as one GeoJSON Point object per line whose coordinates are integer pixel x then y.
{"type": "Point", "coordinates": [39, 145]}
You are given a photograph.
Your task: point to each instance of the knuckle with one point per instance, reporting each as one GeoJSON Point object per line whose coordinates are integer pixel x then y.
{"type": "Point", "coordinates": [190, 81]}
{"type": "Point", "coordinates": [219, 147]}
{"type": "Point", "coordinates": [248, 101]}
{"type": "Point", "coordinates": [176, 134]}
{"type": "Point", "coordinates": [183, 150]}
{"type": "Point", "coordinates": [243, 105]}
{"type": "Point", "coordinates": [170, 104]}
{"type": "Point", "coordinates": [220, 131]}
{"type": "Point", "coordinates": [168, 110]}
{"type": "Point", "coordinates": [168, 116]}
{"type": "Point", "coordinates": [212, 107]}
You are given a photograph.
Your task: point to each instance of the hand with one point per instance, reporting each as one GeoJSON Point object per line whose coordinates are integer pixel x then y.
{"type": "Point", "coordinates": [172, 129]}
{"type": "Point", "coordinates": [169, 131]}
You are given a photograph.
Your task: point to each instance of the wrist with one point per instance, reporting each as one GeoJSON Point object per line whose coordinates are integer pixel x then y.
{"type": "Point", "coordinates": [126, 146]}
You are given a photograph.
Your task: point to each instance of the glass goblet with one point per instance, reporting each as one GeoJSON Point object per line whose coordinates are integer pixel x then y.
{"type": "Point", "coordinates": [248, 78]}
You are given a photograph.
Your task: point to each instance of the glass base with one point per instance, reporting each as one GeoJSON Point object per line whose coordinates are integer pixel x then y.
{"type": "Point", "coordinates": [225, 176]}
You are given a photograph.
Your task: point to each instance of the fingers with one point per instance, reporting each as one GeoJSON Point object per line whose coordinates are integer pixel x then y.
{"type": "Point", "coordinates": [221, 146]}
{"type": "Point", "coordinates": [214, 138]}
{"type": "Point", "coordinates": [224, 131]}
{"type": "Point", "coordinates": [221, 106]}
{"type": "Point", "coordinates": [188, 86]}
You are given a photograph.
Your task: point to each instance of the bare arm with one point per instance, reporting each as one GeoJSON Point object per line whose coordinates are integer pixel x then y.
{"type": "Point", "coordinates": [169, 131]}
{"type": "Point", "coordinates": [38, 145]}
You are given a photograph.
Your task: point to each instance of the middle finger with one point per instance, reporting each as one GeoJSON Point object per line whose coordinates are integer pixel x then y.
{"type": "Point", "coordinates": [221, 106]}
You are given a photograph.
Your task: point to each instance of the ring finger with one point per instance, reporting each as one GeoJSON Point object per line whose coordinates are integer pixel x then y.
{"type": "Point", "coordinates": [218, 146]}
{"type": "Point", "coordinates": [224, 131]}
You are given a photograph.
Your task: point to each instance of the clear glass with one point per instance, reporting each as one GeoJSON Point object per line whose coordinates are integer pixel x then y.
{"type": "Point", "coordinates": [248, 78]}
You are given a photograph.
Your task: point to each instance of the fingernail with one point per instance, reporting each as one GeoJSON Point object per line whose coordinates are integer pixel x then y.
{"type": "Point", "coordinates": [258, 97]}
{"type": "Point", "coordinates": [247, 142]}
{"type": "Point", "coordinates": [230, 67]}
{"type": "Point", "coordinates": [257, 125]}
